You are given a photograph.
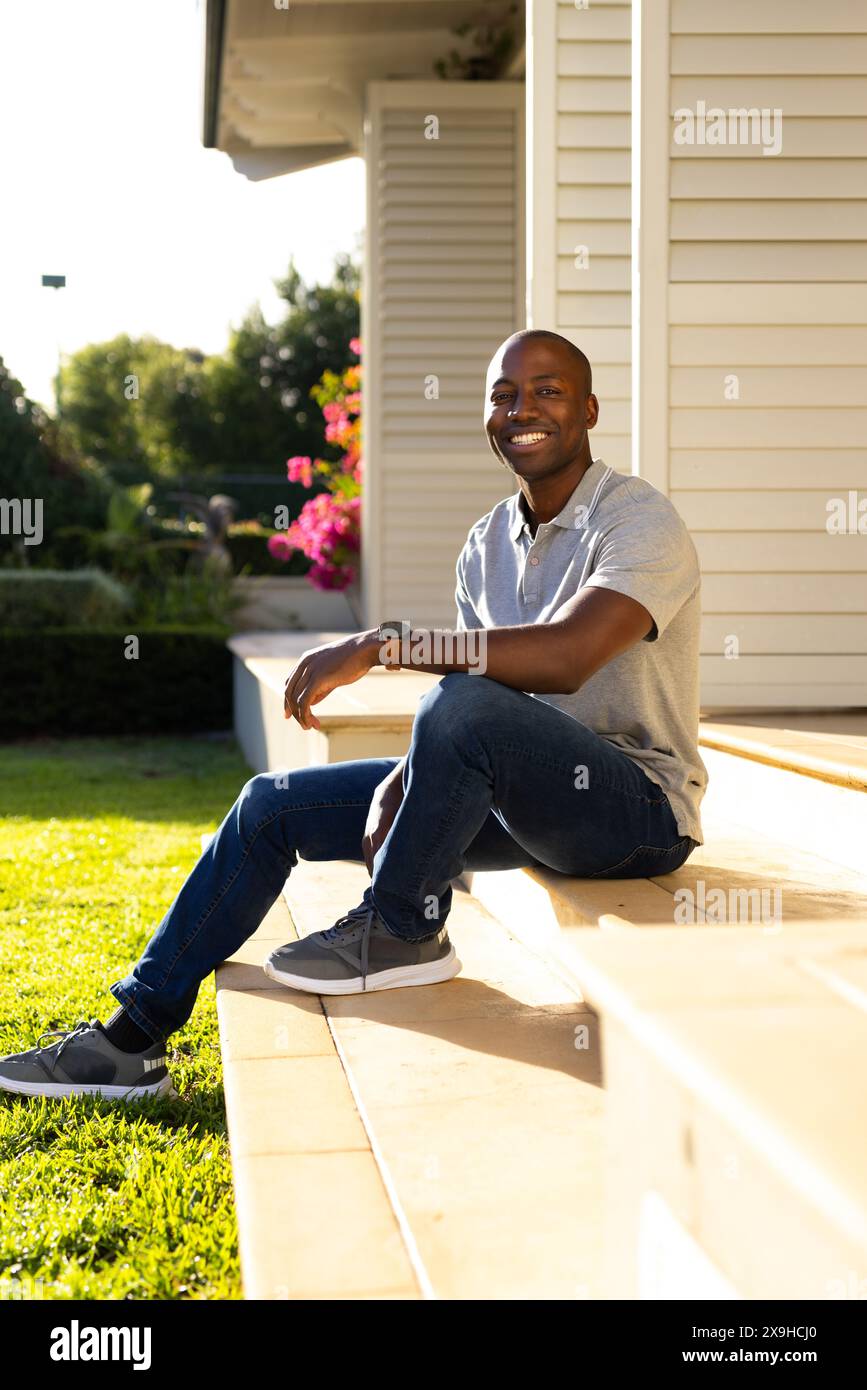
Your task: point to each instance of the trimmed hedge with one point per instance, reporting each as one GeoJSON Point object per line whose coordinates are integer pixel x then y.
{"type": "Point", "coordinates": [79, 681]}
{"type": "Point", "coordinates": [72, 546]}
{"type": "Point", "coordinates": [38, 598]}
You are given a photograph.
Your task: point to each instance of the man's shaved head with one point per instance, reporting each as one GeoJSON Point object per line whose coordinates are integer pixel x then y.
{"type": "Point", "coordinates": [579, 360]}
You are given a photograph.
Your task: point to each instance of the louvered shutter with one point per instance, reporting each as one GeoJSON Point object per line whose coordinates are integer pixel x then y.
{"type": "Point", "coordinates": [444, 286]}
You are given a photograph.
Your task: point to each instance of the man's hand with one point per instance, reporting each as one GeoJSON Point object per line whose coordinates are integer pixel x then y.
{"type": "Point", "coordinates": [323, 669]}
{"type": "Point", "coordinates": [383, 808]}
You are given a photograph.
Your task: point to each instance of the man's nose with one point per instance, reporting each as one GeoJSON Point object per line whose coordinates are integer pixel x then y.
{"type": "Point", "coordinates": [522, 408]}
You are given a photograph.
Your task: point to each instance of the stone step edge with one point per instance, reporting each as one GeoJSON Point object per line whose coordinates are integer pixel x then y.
{"type": "Point", "coordinates": [823, 763]}
{"type": "Point", "coordinates": [652, 1027]}
{"type": "Point", "coordinates": [240, 1164]}
{"type": "Point", "coordinates": [409, 1241]}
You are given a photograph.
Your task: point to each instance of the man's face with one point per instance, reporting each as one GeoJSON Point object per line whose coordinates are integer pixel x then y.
{"type": "Point", "coordinates": [537, 410]}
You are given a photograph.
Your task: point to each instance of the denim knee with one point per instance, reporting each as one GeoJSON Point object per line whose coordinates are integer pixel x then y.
{"type": "Point", "coordinates": [260, 797]}
{"type": "Point", "coordinates": [460, 702]}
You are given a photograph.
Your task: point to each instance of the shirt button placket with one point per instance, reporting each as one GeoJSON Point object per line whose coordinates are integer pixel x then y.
{"type": "Point", "coordinates": [531, 577]}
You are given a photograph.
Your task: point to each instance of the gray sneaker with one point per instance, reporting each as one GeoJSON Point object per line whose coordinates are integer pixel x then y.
{"type": "Point", "coordinates": [359, 954]}
{"type": "Point", "coordinates": [84, 1062]}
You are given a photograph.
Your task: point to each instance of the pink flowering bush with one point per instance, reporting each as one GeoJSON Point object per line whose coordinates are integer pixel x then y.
{"type": "Point", "coordinates": [328, 528]}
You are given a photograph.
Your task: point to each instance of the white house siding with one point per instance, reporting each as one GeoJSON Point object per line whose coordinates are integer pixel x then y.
{"type": "Point", "coordinates": [444, 265]}
{"type": "Point", "coordinates": [579, 100]}
{"type": "Point", "coordinates": [767, 281]}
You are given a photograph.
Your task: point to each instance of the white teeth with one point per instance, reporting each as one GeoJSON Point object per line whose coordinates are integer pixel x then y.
{"type": "Point", "coordinates": [528, 438]}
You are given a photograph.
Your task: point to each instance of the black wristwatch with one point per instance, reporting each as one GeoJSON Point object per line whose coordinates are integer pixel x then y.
{"type": "Point", "coordinates": [395, 629]}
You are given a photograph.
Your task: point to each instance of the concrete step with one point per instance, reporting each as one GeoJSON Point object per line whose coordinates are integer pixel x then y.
{"type": "Point", "coordinates": [433, 1129]}
{"type": "Point", "coordinates": [370, 719]}
{"type": "Point", "coordinates": [829, 747]}
{"type": "Point", "coordinates": [735, 1121]}
{"type": "Point", "coordinates": [444, 1141]}
{"type": "Point", "coordinates": [806, 785]}
{"type": "Point", "coordinates": [737, 1115]}
{"type": "Point", "coordinates": [736, 1107]}
{"type": "Point", "coordinates": [738, 877]}
{"type": "Point", "coordinates": [314, 1216]}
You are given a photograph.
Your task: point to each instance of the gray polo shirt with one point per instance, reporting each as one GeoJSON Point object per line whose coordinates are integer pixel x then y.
{"type": "Point", "coordinates": [615, 532]}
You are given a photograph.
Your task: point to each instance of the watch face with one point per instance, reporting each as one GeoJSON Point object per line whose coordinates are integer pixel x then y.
{"type": "Point", "coordinates": [391, 634]}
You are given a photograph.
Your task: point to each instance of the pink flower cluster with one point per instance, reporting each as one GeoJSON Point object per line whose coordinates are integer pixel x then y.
{"type": "Point", "coordinates": [300, 470]}
{"type": "Point", "coordinates": [328, 526]}
{"type": "Point", "coordinates": [326, 530]}
{"type": "Point", "coordinates": [338, 421]}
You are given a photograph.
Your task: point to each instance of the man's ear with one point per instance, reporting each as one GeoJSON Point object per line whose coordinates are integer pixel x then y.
{"type": "Point", "coordinates": [591, 414]}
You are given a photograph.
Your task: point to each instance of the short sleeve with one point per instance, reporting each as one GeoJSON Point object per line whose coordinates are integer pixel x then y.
{"type": "Point", "coordinates": [648, 554]}
{"type": "Point", "coordinates": [466, 613]}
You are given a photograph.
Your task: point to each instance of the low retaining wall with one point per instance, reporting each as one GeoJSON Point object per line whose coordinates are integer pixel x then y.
{"type": "Point", "coordinates": [278, 605]}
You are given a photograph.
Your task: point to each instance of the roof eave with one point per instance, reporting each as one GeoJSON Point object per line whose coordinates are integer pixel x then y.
{"type": "Point", "coordinates": [258, 164]}
{"type": "Point", "coordinates": [215, 28]}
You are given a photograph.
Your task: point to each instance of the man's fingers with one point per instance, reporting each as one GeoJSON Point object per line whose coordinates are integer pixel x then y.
{"type": "Point", "coordinates": [303, 688]}
{"type": "Point", "coordinates": [294, 690]}
{"type": "Point", "coordinates": [299, 708]}
{"type": "Point", "coordinates": [293, 680]}
{"type": "Point", "coordinates": [303, 699]}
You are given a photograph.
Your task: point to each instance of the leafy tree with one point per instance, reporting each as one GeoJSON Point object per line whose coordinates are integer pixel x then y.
{"type": "Point", "coordinates": [35, 464]}
{"type": "Point", "coordinates": [23, 457]}
{"type": "Point", "coordinates": [134, 405]}
{"type": "Point", "coordinates": [151, 412]}
{"type": "Point", "coordinates": [259, 391]}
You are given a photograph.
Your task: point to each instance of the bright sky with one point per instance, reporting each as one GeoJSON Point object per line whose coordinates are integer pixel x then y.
{"type": "Point", "coordinates": [105, 180]}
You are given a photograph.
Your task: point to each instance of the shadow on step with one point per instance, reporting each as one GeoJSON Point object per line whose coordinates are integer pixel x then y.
{"type": "Point", "coordinates": [420, 1028]}
{"type": "Point", "coordinates": [759, 892]}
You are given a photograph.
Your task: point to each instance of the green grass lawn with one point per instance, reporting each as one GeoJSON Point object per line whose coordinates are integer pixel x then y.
{"type": "Point", "coordinates": [99, 1199]}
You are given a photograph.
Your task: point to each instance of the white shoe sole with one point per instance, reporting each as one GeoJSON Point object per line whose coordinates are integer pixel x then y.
{"type": "Point", "coordinates": [402, 977]}
{"type": "Point", "coordinates": [57, 1090]}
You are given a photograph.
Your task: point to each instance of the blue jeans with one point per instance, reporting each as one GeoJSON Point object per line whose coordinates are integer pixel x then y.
{"type": "Point", "coordinates": [492, 780]}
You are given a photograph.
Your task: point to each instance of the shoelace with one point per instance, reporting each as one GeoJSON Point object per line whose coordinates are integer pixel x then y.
{"type": "Point", "coordinates": [66, 1035]}
{"type": "Point", "coordinates": [363, 916]}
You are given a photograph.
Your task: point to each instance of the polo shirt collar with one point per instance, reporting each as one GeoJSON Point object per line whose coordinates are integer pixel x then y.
{"type": "Point", "coordinates": [565, 518]}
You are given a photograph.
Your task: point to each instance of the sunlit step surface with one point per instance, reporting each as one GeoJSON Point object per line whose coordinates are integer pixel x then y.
{"type": "Point", "coordinates": [738, 877]}
{"type": "Point", "coordinates": [831, 747]}
{"type": "Point", "coordinates": [392, 1145]}
{"type": "Point", "coordinates": [314, 1217]}
{"type": "Point", "coordinates": [801, 778]}
{"type": "Point", "coordinates": [737, 1109]}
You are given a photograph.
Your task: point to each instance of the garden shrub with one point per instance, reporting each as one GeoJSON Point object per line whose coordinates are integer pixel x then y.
{"type": "Point", "coordinates": [39, 598]}
{"type": "Point", "coordinates": [193, 599]}
{"type": "Point", "coordinates": [67, 548]}
{"type": "Point", "coordinates": [86, 681]}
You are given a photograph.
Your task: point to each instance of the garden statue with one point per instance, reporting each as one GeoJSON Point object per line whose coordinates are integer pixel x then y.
{"type": "Point", "coordinates": [217, 513]}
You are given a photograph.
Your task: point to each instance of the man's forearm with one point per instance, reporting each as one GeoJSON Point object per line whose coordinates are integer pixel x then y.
{"type": "Point", "coordinates": [537, 658]}
{"type": "Point", "coordinates": [546, 658]}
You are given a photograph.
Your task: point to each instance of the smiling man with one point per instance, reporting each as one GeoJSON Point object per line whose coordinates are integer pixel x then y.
{"type": "Point", "coordinates": [564, 734]}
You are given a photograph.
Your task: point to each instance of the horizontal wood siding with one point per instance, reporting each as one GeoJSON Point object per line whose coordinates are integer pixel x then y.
{"type": "Point", "coordinates": [768, 284]}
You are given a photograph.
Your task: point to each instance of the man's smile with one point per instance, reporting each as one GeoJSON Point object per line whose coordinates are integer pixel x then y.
{"type": "Point", "coordinates": [525, 439]}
